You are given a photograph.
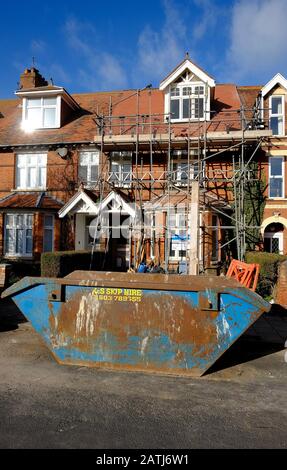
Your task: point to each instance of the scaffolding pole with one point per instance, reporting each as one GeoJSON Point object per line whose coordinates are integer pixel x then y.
{"type": "Point", "coordinates": [197, 192]}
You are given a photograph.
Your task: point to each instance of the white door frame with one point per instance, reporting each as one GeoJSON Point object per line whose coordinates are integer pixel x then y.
{"type": "Point", "coordinates": [279, 236]}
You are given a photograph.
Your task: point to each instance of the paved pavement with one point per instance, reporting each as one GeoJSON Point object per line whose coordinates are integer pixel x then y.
{"type": "Point", "coordinates": [241, 403]}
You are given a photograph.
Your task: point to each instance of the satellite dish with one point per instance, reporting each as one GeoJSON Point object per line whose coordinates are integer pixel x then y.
{"type": "Point", "coordinates": [62, 152]}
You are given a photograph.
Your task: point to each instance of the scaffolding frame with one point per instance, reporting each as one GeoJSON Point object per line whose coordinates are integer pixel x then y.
{"type": "Point", "coordinates": [155, 132]}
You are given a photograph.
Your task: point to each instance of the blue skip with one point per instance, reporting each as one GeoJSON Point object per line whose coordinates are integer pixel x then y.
{"type": "Point", "coordinates": [157, 323]}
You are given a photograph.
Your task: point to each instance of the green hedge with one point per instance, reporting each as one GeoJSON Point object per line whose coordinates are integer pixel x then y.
{"type": "Point", "coordinates": [20, 269]}
{"type": "Point", "coordinates": [269, 263]}
{"type": "Point", "coordinates": [62, 263]}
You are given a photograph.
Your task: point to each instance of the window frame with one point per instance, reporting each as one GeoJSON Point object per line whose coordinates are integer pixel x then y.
{"type": "Point", "coordinates": [49, 227]}
{"type": "Point", "coordinates": [120, 160]}
{"type": "Point", "coordinates": [192, 96]}
{"type": "Point", "coordinates": [151, 221]}
{"type": "Point", "coordinates": [277, 115]}
{"type": "Point", "coordinates": [181, 158]}
{"type": "Point", "coordinates": [38, 166]}
{"type": "Point", "coordinates": [25, 122]}
{"type": "Point", "coordinates": [271, 177]}
{"type": "Point", "coordinates": [178, 228]}
{"type": "Point", "coordinates": [89, 183]}
{"type": "Point", "coordinates": [15, 227]}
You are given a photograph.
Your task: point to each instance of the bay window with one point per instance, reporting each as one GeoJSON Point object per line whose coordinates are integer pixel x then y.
{"type": "Point", "coordinates": [276, 177]}
{"type": "Point", "coordinates": [31, 171]}
{"type": "Point", "coordinates": [19, 235]}
{"type": "Point", "coordinates": [178, 235]}
{"type": "Point", "coordinates": [277, 115]}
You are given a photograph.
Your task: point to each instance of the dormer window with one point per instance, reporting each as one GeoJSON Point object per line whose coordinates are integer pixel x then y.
{"type": "Point", "coordinates": [44, 105]}
{"type": "Point", "coordinates": [274, 96]}
{"type": "Point", "coordinates": [277, 114]}
{"type": "Point", "coordinates": [41, 113]}
{"type": "Point", "coordinates": [188, 93]}
{"type": "Point", "coordinates": [187, 102]}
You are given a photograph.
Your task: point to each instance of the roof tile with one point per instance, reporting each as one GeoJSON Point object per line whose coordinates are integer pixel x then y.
{"type": "Point", "coordinates": [83, 128]}
{"type": "Point", "coordinates": [29, 201]}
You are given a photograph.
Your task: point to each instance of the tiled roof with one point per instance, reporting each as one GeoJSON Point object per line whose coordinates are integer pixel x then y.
{"type": "Point", "coordinates": [23, 200]}
{"type": "Point", "coordinates": [225, 114]}
{"type": "Point", "coordinates": [248, 95]}
{"type": "Point", "coordinates": [83, 128]}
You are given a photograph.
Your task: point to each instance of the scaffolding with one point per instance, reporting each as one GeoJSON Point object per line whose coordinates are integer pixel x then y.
{"type": "Point", "coordinates": [202, 141]}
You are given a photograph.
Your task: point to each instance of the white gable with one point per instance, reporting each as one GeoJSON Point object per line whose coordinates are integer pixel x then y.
{"type": "Point", "coordinates": [115, 202]}
{"type": "Point", "coordinates": [278, 79]}
{"type": "Point", "coordinates": [193, 70]}
{"type": "Point", "coordinates": [81, 203]}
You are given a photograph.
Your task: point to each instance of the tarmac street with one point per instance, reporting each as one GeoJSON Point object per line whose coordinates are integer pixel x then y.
{"type": "Point", "coordinates": [240, 403]}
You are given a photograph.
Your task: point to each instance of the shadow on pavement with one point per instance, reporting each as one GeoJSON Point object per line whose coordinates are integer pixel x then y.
{"type": "Point", "coordinates": [10, 316]}
{"type": "Point", "coordinates": [267, 336]}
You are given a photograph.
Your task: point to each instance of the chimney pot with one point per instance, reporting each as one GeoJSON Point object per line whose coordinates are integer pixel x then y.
{"type": "Point", "coordinates": [31, 78]}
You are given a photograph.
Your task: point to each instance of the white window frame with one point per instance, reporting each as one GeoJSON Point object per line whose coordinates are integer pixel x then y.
{"type": "Point", "coordinates": [27, 166]}
{"type": "Point", "coordinates": [281, 115]}
{"type": "Point", "coordinates": [279, 236]}
{"type": "Point", "coordinates": [117, 177]}
{"type": "Point", "coordinates": [15, 227]}
{"type": "Point", "coordinates": [51, 228]}
{"type": "Point", "coordinates": [151, 219]}
{"type": "Point", "coordinates": [178, 229]}
{"type": "Point", "coordinates": [277, 177]}
{"type": "Point", "coordinates": [89, 154]}
{"type": "Point", "coordinates": [193, 96]}
{"type": "Point", "coordinates": [28, 126]}
{"type": "Point", "coordinates": [180, 167]}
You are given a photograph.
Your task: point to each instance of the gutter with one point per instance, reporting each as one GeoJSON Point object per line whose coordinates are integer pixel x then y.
{"type": "Point", "coordinates": [50, 144]}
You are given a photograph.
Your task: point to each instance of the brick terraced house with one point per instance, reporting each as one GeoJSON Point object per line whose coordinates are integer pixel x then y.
{"type": "Point", "coordinates": [204, 162]}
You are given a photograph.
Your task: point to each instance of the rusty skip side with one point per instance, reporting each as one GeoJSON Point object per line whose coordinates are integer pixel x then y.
{"type": "Point", "coordinates": [141, 322]}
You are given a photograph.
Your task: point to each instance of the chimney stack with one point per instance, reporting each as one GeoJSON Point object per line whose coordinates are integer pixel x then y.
{"type": "Point", "coordinates": [32, 78]}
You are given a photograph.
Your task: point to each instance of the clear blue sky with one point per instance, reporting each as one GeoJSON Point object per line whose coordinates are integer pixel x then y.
{"type": "Point", "coordinates": [102, 45]}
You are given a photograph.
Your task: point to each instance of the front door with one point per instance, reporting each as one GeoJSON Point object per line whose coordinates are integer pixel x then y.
{"type": "Point", "coordinates": [117, 258]}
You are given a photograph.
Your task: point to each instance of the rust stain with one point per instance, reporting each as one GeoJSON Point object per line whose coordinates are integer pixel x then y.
{"type": "Point", "coordinates": [83, 319]}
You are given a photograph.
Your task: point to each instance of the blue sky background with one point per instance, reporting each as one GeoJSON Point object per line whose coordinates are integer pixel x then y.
{"type": "Point", "coordinates": [96, 45]}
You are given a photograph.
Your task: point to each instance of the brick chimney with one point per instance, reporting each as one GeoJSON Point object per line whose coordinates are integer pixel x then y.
{"type": "Point", "coordinates": [32, 78]}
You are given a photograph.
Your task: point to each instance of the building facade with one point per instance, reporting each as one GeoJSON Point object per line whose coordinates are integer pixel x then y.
{"type": "Point", "coordinates": [189, 173]}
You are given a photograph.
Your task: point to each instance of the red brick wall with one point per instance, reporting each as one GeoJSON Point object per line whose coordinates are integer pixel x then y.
{"type": "Point", "coordinates": [61, 175]}
{"type": "Point", "coordinates": [7, 173]}
{"type": "Point", "coordinates": [281, 287]}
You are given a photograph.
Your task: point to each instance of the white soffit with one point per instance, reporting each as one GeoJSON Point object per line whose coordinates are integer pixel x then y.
{"type": "Point", "coordinates": [278, 79]}
{"type": "Point", "coordinates": [120, 202]}
{"type": "Point", "coordinates": [81, 196]}
{"type": "Point", "coordinates": [187, 64]}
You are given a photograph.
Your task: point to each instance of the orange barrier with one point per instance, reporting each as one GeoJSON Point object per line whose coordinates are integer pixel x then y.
{"type": "Point", "coordinates": [246, 274]}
